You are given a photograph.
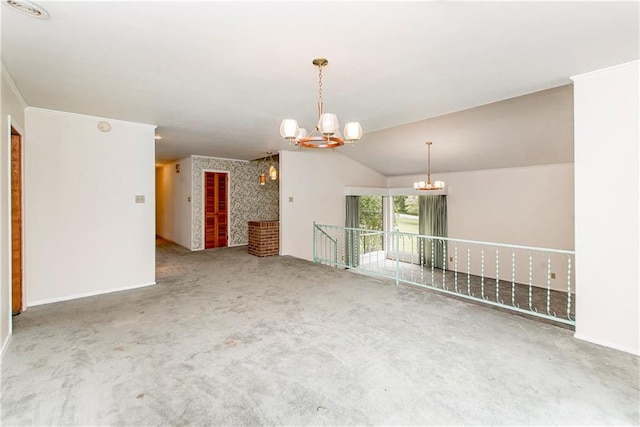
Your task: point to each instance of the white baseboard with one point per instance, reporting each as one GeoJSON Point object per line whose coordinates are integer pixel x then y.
{"type": "Point", "coordinates": [603, 343]}
{"type": "Point", "coordinates": [5, 346]}
{"type": "Point", "coordinates": [87, 294]}
{"type": "Point", "coordinates": [228, 246]}
{"type": "Point", "coordinates": [238, 244]}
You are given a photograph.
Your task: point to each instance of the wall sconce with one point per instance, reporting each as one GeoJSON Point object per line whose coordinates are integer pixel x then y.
{"type": "Point", "coordinates": [263, 179]}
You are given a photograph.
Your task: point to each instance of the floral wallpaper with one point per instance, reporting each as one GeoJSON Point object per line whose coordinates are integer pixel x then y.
{"type": "Point", "coordinates": [248, 200]}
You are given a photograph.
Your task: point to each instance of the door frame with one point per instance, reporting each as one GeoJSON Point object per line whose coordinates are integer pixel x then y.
{"type": "Point", "coordinates": [204, 203]}
{"type": "Point", "coordinates": [12, 125]}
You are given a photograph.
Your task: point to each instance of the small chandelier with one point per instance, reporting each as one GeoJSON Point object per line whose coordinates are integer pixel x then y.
{"type": "Point", "coordinates": [273, 172]}
{"type": "Point", "coordinates": [421, 185]}
{"type": "Point", "coordinates": [326, 134]}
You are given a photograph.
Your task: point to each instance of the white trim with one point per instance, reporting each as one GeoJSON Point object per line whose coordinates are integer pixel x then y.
{"type": "Point", "coordinates": [5, 346]}
{"type": "Point", "coordinates": [85, 116]}
{"type": "Point", "coordinates": [23, 292]}
{"type": "Point", "coordinates": [221, 158]}
{"type": "Point", "coordinates": [204, 206]}
{"type": "Point", "coordinates": [8, 228]}
{"type": "Point", "coordinates": [607, 344]}
{"type": "Point", "coordinates": [380, 191]}
{"type": "Point", "coordinates": [12, 84]}
{"type": "Point", "coordinates": [88, 294]}
{"type": "Point", "coordinates": [591, 73]}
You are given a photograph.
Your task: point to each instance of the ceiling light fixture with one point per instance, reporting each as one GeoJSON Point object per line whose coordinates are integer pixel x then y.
{"type": "Point", "coordinates": [326, 134]}
{"type": "Point", "coordinates": [421, 185]}
{"type": "Point", "coordinates": [28, 8]}
{"type": "Point", "coordinates": [273, 172]}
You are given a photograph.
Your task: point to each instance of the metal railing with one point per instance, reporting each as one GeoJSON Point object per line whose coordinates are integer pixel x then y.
{"type": "Point", "coordinates": [325, 241]}
{"type": "Point", "coordinates": [531, 280]}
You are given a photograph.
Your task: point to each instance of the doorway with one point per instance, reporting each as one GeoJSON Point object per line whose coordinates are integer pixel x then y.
{"type": "Point", "coordinates": [16, 222]}
{"type": "Point", "coordinates": [216, 209]}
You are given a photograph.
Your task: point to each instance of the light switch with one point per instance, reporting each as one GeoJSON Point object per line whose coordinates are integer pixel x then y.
{"type": "Point", "coordinates": [139, 198]}
{"type": "Point", "coordinates": [290, 199]}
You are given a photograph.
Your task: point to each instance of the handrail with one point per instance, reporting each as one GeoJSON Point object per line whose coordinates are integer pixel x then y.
{"type": "Point", "coordinates": [372, 234]}
{"type": "Point", "coordinates": [449, 239]}
{"type": "Point", "coordinates": [317, 226]}
{"type": "Point", "coordinates": [486, 282]}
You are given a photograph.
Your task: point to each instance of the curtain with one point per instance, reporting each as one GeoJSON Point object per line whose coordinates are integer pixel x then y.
{"type": "Point", "coordinates": [352, 237]}
{"type": "Point", "coordinates": [432, 221]}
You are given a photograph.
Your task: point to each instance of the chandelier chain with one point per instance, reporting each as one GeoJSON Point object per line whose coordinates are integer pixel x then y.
{"type": "Point", "coordinates": [429, 163]}
{"type": "Point", "coordinates": [320, 83]}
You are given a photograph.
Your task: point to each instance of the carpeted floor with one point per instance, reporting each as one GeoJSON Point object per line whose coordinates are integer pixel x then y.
{"type": "Point", "coordinates": [226, 338]}
{"type": "Point", "coordinates": [510, 295]}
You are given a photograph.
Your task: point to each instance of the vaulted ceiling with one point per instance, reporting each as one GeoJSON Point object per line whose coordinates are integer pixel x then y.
{"type": "Point", "coordinates": [218, 77]}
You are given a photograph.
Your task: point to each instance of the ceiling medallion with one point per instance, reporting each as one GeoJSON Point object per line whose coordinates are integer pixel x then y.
{"type": "Point", "coordinates": [326, 134]}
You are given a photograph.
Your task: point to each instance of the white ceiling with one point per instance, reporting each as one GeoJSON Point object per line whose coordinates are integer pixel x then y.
{"type": "Point", "coordinates": [218, 77]}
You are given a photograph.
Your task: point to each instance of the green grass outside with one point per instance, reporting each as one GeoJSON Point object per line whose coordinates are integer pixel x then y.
{"type": "Point", "coordinates": [407, 225]}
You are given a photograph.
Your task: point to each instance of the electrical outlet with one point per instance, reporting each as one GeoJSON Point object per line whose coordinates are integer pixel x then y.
{"type": "Point", "coordinates": [553, 275]}
{"type": "Point", "coordinates": [450, 259]}
{"type": "Point", "coordinates": [290, 199]}
{"type": "Point", "coordinates": [140, 199]}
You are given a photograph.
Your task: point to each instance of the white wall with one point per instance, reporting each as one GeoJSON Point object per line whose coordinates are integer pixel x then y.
{"type": "Point", "coordinates": [173, 205]}
{"type": "Point", "coordinates": [315, 179]}
{"type": "Point", "coordinates": [607, 196]}
{"type": "Point", "coordinates": [12, 106]}
{"type": "Point", "coordinates": [529, 206]}
{"type": "Point", "coordinates": [84, 232]}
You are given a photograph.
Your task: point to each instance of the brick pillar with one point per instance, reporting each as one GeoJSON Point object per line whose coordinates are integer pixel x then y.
{"type": "Point", "coordinates": [264, 238]}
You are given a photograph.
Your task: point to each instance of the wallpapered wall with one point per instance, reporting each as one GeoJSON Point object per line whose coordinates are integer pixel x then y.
{"type": "Point", "coordinates": [248, 201]}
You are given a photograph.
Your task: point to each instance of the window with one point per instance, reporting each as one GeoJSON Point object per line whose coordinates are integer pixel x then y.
{"type": "Point", "coordinates": [405, 214]}
{"type": "Point", "coordinates": [371, 212]}
{"type": "Point", "coordinates": [371, 220]}
{"type": "Point", "coordinates": [405, 220]}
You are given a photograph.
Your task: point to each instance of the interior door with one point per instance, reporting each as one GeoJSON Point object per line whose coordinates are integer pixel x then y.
{"type": "Point", "coordinates": [215, 209]}
{"type": "Point", "coordinates": [16, 223]}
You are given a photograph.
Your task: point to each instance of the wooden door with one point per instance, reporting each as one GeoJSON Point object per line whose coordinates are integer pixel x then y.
{"type": "Point", "coordinates": [215, 209]}
{"type": "Point", "coordinates": [16, 223]}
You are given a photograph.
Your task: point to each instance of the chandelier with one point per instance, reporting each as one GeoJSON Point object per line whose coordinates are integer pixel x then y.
{"type": "Point", "coordinates": [273, 172]}
{"type": "Point", "coordinates": [421, 185]}
{"type": "Point", "coordinates": [326, 134]}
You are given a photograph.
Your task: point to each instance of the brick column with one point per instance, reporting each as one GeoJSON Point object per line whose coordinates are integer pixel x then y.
{"type": "Point", "coordinates": [264, 238]}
